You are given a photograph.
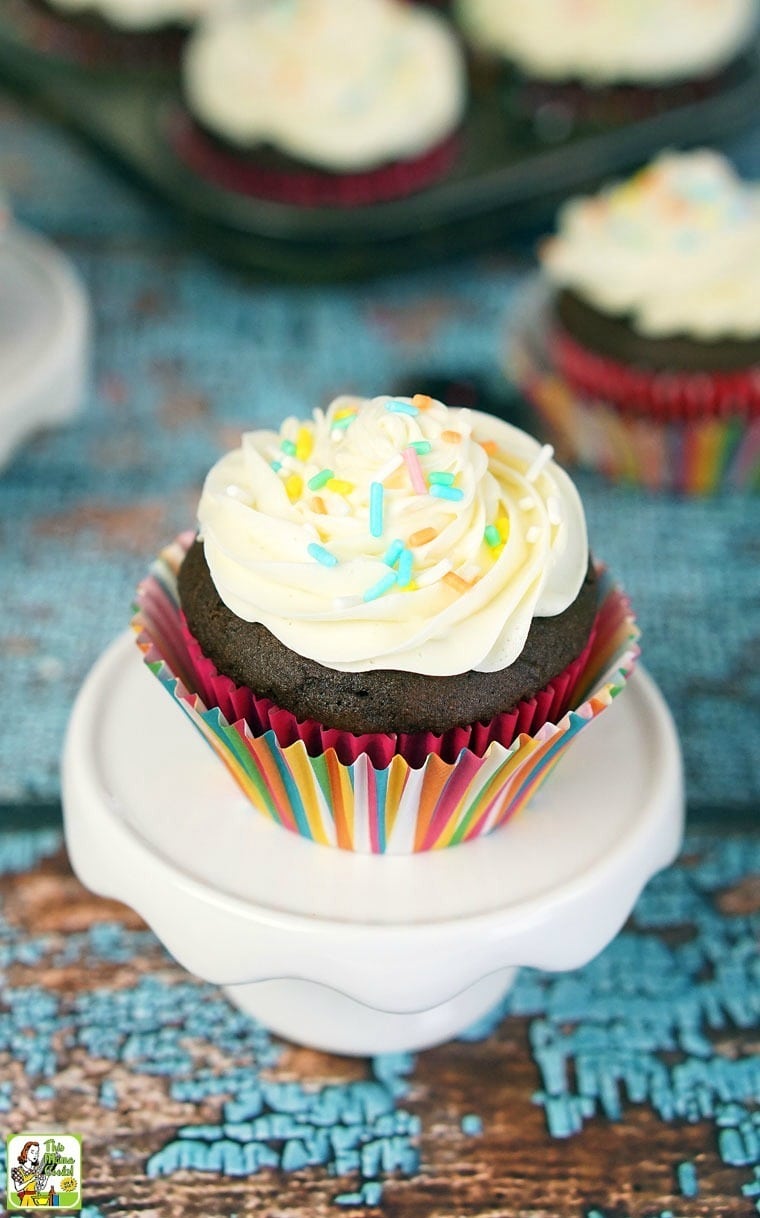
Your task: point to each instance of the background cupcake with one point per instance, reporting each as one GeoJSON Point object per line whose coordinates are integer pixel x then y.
{"type": "Point", "coordinates": [108, 33]}
{"type": "Point", "coordinates": [652, 371]}
{"type": "Point", "coordinates": [388, 619]}
{"type": "Point", "coordinates": [322, 102]}
{"type": "Point", "coordinates": [603, 61]}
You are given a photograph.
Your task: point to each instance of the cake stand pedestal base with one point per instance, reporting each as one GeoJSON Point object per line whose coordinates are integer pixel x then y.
{"type": "Point", "coordinates": [361, 953]}
{"type": "Point", "coordinates": [44, 323]}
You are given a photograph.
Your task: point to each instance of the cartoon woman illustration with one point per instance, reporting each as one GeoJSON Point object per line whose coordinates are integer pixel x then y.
{"type": "Point", "coordinates": [29, 1178]}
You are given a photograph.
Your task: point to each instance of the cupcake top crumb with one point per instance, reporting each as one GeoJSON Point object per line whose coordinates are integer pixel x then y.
{"type": "Point", "coordinates": [139, 14]}
{"type": "Point", "coordinates": [675, 249]}
{"type": "Point", "coordinates": [612, 41]}
{"type": "Point", "coordinates": [342, 85]}
{"type": "Point", "coordinates": [395, 533]}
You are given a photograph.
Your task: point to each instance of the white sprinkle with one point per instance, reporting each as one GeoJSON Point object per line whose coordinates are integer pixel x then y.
{"type": "Point", "coordinates": [390, 467]}
{"type": "Point", "coordinates": [526, 504]}
{"type": "Point", "coordinates": [311, 532]}
{"type": "Point", "coordinates": [339, 506]}
{"type": "Point", "coordinates": [533, 534]}
{"type": "Point", "coordinates": [346, 602]}
{"type": "Point", "coordinates": [543, 458]}
{"type": "Point", "coordinates": [289, 463]}
{"type": "Point", "coordinates": [337, 434]}
{"type": "Point", "coordinates": [433, 574]}
{"type": "Point", "coordinates": [554, 510]}
{"type": "Point", "coordinates": [470, 572]}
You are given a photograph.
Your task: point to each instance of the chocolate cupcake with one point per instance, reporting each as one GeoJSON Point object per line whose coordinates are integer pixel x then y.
{"type": "Point", "coordinates": [322, 103]}
{"type": "Point", "coordinates": [106, 33]}
{"type": "Point", "coordinates": [392, 604]}
{"type": "Point", "coordinates": [652, 365]}
{"type": "Point", "coordinates": [606, 61]}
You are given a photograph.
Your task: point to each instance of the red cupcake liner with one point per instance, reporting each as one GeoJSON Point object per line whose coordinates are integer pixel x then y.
{"type": "Point", "coordinates": [73, 41]}
{"type": "Point", "coordinates": [262, 715]}
{"type": "Point", "coordinates": [304, 186]}
{"type": "Point", "coordinates": [664, 396]}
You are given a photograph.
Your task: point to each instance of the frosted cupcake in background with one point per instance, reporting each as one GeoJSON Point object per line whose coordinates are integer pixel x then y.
{"type": "Point", "coordinates": [389, 627]}
{"type": "Point", "coordinates": [108, 33]}
{"type": "Point", "coordinates": [322, 102]}
{"type": "Point", "coordinates": [597, 62]}
{"type": "Point", "coordinates": [652, 369]}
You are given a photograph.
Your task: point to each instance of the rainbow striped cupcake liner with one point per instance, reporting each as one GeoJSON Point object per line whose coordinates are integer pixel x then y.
{"type": "Point", "coordinates": [398, 809]}
{"type": "Point", "coordinates": [699, 457]}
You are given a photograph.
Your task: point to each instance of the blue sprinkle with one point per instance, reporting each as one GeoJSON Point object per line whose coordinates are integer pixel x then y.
{"type": "Point", "coordinates": [294, 1156]}
{"type": "Point", "coordinates": [471, 1124]}
{"type": "Point", "coordinates": [393, 552]}
{"type": "Point", "coordinates": [348, 1199]}
{"type": "Point", "coordinates": [372, 1192]}
{"type": "Point", "coordinates": [376, 492]}
{"type": "Point", "coordinates": [687, 1180]}
{"type": "Point", "coordinates": [446, 492]}
{"type": "Point", "coordinates": [397, 407]}
{"type": "Point", "coordinates": [384, 584]}
{"type": "Point", "coordinates": [321, 554]}
{"type": "Point", "coordinates": [405, 567]}
{"type": "Point", "coordinates": [276, 466]}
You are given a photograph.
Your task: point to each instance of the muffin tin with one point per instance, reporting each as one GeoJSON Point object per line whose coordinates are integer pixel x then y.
{"type": "Point", "coordinates": [504, 180]}
{"type": "Point", "coordinates": [355, 953]}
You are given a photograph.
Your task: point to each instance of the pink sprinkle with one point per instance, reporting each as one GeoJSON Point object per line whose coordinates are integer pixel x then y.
{"type": "Point", "coordinates": [415, 471]}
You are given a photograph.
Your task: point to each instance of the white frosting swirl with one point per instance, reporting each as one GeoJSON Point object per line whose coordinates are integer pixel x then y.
{"type": "Point", "coordinates": [140, 14]}
{"type": "Point", "coordinates": [472, 597]}
{"type": "Point", "coordinates": [676, 247]}
{"type": "Point", "coordinates": [344, 84]}
{"type": "Point", "coordinates": [612, 41]}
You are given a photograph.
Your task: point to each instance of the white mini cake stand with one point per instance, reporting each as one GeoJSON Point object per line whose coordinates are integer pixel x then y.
{"type": "Point", "coordinates": [44, 325]}
{"type": "Point", "coordinates": [359, 953]}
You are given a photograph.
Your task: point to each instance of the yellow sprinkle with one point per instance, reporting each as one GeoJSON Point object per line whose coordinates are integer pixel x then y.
{"type": "Point", "coordinates": [456, 582]}
{"type": "Point", "coordinates": [422, 537]}
{"type": "Point", "coordinates": [451, 437]}
{"type": "Point", "coordinates": [345, 413]}
{"type": "Point", "coordinates": [318, 504]}
{"type": "Point", "coordinates": [294, 487]}
{"type": "Point", "coordinates": [496, 551]}
{"type": "Point", "coordinates": [490, 446]}
{"type": "Point", "coordinates": [340, 486]}
{"type": "Point", "coordinates": [412, 587]}
{"type": "Point", "coordinates": [304, 444]}
{"type": "Point", "coordinates": [502, 524]}
{"type": "Point", "coordinates": [422, 401]}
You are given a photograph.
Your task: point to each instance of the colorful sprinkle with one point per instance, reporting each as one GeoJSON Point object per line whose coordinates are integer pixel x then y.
{"type": "Point", "coordinates": [421, 447]}
{"type": "Point", "coordinates": [543, 458]}
{"type": "Point", "coordinates": [492, 536]}
{"type": "Point", "coordinates": [340, 486]}
{"type": "Point", "coordinates": [489, 446]}
{"type": "Point", "coordinates": [318, 504]}
{"type": "Point", "coordinates": [471, 1124]}
{"type": "Point", "coordinates": [304, 444]}
{"type": "Point", "coordinates": [456, 582]}
{"type": "Point", "coordinates": [439, 478]}
{"type": "Point", "coordinates": [422, 537]}
{"type": "Point", "coordinates": [393, 553]}
{"type": "Point", "coordinates": [294, 487]}
{"type": "Point", "coordinates": [405, 565]}
{"type": "Point", "coordinates": [319, 480]}
{"type": "Point", "coordinates": [434, 574]}
{"type": "Point", "coordinates": [345, 412]}
{"type": "Point", "coordinates": [451, 437]}
{"type": "Point", "coordinates": [415, 471]}
{"type": "Point", "coordinates": [554, 510]}
{"type": "Point", "coordinates": [322, 555]}
{"type": "Point", "coordinates": [384, 584]}
{"type": "Point", "coordinates": [376, 492]}
{"type": "Point", "coordinates": [390, 467]}
{"type": "Point", "coordinates": [277, 466]}
{"type": "Point", "coordinates": [288, 447]}
{"type": "Point", "coordinates": [503, 525]}
{"type": "Point", "coordinates": [447, 492]}
{"type": "Point", "coordinates": [422, 401]}
{"type": "Point", "coordinates": [397, 407]}
{"type": "Point", "coordinates": [340, 425]}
